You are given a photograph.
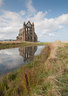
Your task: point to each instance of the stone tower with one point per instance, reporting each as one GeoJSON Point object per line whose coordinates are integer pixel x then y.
{"type": "Point", "coordinates": [27, 33]}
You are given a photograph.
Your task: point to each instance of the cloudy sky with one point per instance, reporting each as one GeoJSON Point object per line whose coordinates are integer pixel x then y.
{"type": "Point", "coordinates": [50, 18]}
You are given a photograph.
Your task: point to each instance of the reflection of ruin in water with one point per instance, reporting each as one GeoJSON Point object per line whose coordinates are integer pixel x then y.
{"type": "Point", "coordinates": [27, 52]}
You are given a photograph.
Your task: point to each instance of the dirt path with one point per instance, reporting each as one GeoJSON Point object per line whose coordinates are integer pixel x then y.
{"type": "Point", "coordinates": [53, 48]}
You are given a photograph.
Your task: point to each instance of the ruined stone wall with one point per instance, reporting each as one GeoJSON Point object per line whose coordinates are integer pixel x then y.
{"type": "Point", "coordinates": [27, 33]}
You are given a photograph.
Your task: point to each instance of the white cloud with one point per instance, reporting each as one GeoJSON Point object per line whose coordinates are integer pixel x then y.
{"type": "Point", "coordinates": [11, 22]}
{"type": "Point", "coordinates": [22, 12]}
{"type": "Point", "coordinates": [51, 34]}
{"type": "Point", "coordinates": [44, 25]}
{"type": "Point", "coordinates": [1, 36]}
{"type": "Point", "coordinates": [1, 2]}
{"type": "Point", "coordinates": [63, 19]}
{"type": "Point", "coordinates": [29, 5]}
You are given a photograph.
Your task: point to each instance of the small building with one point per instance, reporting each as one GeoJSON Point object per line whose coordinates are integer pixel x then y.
{"type": "Point", "coordinates": [27, 33]}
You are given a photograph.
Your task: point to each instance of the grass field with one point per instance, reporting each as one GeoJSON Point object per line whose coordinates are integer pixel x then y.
{"type": "Point", "coordinates": [46, 75]}
{"type": "Point", "coordinates": [12, 44]}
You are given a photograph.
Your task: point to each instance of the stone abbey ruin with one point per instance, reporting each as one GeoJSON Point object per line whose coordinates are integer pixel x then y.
{"type": "Point", "coordinates": [27, 33]}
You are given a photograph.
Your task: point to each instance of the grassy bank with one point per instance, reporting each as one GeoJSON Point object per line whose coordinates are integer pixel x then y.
{"type": "Point", "coordinates": [46, 75]}
{"type": "Point", "coordinates": [25, 80]}
{"type": "Point", "coordinates": [12, 44]}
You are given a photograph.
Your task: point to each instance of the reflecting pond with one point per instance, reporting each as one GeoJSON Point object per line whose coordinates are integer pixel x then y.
{"type": "Point", "coordinates": [13, 58]}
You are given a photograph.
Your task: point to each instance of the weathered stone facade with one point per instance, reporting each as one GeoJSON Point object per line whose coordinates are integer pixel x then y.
{"type": "Point", "coordinates": [27, 33]}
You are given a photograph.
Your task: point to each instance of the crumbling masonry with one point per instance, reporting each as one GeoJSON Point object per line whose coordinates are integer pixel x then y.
{"type": "Point", "coordinates": [27, 33]}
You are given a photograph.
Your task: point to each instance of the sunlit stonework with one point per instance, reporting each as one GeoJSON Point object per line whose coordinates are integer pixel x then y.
{"type": "Point", "coordinates": [27, 33]}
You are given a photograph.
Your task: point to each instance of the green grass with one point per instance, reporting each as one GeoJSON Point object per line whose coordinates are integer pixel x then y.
{"type": "Point", "coordinates": [11, 44]}
{"type": "Point", "coordinates": [15, 83]}
{"type": "Point", "coordinates": [41, 77]}
{"type": "Point", "coordinates": [63, 79]}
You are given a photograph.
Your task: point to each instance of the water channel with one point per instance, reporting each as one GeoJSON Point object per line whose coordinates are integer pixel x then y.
{"type": "Point", "coordinates": [13, 58]}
